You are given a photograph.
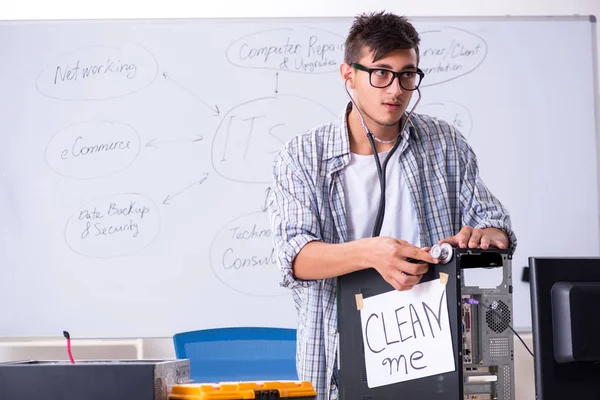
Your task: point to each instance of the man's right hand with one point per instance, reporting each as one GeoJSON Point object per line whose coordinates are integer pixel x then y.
{"type": "Point", "coordinates": [389, 257]}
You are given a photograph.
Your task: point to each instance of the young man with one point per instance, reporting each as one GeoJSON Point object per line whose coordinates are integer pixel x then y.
{"type": "Point", "coordinates": [326, 191]}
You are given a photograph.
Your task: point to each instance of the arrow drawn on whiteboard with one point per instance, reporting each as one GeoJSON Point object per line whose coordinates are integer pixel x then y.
{"type": "Point", "coordinates": [172, 196]}
{"type": "Point", "coordinates": [215, 110]}
{"type": "Point", "coordinates": [268, 199]}
{"type": "Point", "coordinates": [277, 82]}
{"type": "Point", "coordinates": [155, 143]}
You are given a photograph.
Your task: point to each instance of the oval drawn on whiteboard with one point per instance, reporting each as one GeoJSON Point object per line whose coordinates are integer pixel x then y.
{"type": "Point", "coordinates": [113, 226]}
{"type": "Point", "coordinates": [92, 149]}
{"type": "Point", "coordinates": [98, 73]}
{"type": "Point", "coordinates": [250, 134]}
{"type": "Point", "coordinates": [450, 53]}
{"type": "Point", "coordinates": [302, 50]}
{"type": "Point", "coordinates": [242, 256]}
{"type": "Point", "coordinates": [453, 113]}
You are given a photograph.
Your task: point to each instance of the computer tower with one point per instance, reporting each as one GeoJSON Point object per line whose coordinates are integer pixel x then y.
{"type": "Point", "coordinates": [479, 319]}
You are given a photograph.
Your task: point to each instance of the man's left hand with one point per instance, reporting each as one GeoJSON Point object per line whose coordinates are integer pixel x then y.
{"type": "Point", "coordinates": [478, 238]}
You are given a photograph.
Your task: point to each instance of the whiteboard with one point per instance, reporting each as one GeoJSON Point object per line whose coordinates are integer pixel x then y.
{"type": "Point", "coordinates": [136, 155]}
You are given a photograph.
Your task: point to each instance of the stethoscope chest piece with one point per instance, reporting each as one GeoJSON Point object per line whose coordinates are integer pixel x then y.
{"type": "Point", "coordinates": [442, 252]}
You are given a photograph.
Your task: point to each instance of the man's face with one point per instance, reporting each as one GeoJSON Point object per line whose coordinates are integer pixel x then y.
{"type": "Point", "coordinates": [383, 106]}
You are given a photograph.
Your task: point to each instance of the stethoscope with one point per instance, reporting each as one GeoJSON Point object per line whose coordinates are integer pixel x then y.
{"type": "Point", "coordinates": [381, 168]}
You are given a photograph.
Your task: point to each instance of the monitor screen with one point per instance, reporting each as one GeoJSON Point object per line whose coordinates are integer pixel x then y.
{"type": "Point", "coordinates": [565, 295]}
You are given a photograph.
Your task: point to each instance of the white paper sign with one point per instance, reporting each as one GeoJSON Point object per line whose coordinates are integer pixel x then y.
{"type": "Point", "coordinates": [406, 334]}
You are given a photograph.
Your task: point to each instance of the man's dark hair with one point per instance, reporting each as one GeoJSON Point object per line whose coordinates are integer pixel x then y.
{"type": "Point", "coordinates": [380, 33]}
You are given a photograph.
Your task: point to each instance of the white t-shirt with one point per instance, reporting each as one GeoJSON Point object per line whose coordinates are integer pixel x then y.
{"type": "Point", "coordinates": [362, 193]}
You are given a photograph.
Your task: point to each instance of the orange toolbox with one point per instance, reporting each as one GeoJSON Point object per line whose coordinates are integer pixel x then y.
{"type": "Point", "coordinates": [289, 390]}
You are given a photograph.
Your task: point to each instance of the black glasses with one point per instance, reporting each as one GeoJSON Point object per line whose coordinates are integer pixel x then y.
{"type": "Point", "coordinates": [382, 78]}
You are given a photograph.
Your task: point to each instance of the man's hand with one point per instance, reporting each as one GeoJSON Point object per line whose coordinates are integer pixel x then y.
{"type": "Point", "coordinates": [478, 238]}
{"type": "Point", "coordinates": [389, 257]}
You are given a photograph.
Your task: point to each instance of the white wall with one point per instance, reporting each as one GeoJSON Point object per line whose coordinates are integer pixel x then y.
{"type": "Point", "coordinates": [60, 9]}
{"type": "Point", "coordinates": [77, 9]}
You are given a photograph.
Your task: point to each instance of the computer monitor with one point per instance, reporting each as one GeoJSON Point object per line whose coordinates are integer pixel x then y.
{"type": "Point", "coordinates": [565, 301]}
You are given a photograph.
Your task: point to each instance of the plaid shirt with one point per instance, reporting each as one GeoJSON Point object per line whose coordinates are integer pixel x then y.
{"type": "Point", "coordinates": [308, 204]}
